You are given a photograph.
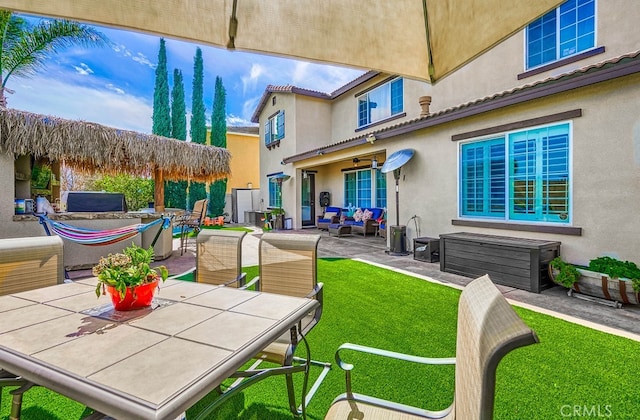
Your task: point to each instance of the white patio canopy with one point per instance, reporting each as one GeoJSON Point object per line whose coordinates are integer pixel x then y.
{"type": "Point", "coordinates": [423, 39]}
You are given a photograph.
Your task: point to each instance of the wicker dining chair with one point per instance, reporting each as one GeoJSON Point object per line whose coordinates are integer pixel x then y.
{"type": "Point", "coordinates": [27, 264]}
{"type": "Point", "coordinates": [488, 329]}
{"type": "Point", "coordinates": [288, 266]}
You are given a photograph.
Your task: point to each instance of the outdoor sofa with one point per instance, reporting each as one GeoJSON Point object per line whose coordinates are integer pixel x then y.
{"type": "Point", "coordinates": [365, 220]}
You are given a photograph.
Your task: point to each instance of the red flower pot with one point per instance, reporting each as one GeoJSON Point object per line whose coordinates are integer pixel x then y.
{"type": "Point", "coordinates": [135, 298]}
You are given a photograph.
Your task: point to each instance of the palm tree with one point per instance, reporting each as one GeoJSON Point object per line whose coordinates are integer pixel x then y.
{"type": "Point", "coordinates": [25, 47]}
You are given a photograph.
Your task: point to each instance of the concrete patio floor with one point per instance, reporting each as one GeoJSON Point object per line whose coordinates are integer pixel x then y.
{"type": "Point", "coordinates": [624, 321]}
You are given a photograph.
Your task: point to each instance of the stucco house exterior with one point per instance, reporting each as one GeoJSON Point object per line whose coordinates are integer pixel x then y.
{"type": "Point", "coordinates": [537, 138]}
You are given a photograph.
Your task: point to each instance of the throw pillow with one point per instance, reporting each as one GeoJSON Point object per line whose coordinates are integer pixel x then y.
{"type": "Point", "coordinates": [330, 215]}
{"type": "Point", "coordinates": [357, 216]}
{"type": "Point", "coordinates": [366, 215]}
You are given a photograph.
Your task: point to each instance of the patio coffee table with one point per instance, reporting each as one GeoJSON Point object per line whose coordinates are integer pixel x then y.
{"type": "Point", "coordinates": [152, 363]}
{"type": "Point", "coordinates": [339, 230]}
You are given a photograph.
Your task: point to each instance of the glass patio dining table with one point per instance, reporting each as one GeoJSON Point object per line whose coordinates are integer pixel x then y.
{"type": "Point", "coordinates": [151, 363]}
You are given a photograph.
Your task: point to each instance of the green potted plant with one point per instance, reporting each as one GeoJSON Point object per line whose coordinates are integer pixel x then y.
{"type": "Point", "coordinates": [278, 217]}
{"type": "Point", "coordinates": [617, 269]}
{"type": "Point", "coordinates": [605, 278]}
{"type": "Point", "coordinates": [564, 273]}
{"type": "Point", "coordinates": [129, 278]}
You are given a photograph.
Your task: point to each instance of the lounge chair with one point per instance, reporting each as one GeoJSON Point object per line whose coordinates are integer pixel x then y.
{"type": "Point", "coordinates": [331, 215]}
{"type": "Point", "coordinates": [191, 221]}
{"type": "Point", "coordinates": [288, 266]}
{"type": "Point", "coordinates": [27, 264]}
{"type": "Point", "coordinates": [488, 329]}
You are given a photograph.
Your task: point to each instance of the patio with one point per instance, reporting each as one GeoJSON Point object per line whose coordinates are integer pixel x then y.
{"type": "Point", "coordinates": [554, 301]}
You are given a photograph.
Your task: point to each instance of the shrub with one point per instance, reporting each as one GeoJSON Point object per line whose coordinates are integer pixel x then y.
{"type": "Point", "coordinates": [567, 273]}
{"type": "Point", "coordinates": [137, 191]}
{"type": "Point", "coordinates": [615, 268]}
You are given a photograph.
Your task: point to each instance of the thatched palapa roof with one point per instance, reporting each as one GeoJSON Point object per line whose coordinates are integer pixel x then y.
{"type": "Point", "coordinates": [92, 147]}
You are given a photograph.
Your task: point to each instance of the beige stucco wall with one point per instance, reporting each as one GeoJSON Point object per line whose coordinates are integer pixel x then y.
{"type": "Point", "coordinates": [497, 70]}
{"type": "Point", "coordinates": [9, 228]}
{"type": "Point", "coordinates": [312, 131]}
{"type": "Point", "coordinates": [606, 171]}
{"type": "Point", "coordinates": [270, 158]}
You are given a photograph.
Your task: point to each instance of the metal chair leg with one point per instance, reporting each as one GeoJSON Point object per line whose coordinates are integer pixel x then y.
{"type": "Point", "coordinates": [16, 403]}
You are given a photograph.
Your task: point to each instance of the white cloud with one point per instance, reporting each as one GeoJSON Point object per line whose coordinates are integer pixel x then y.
{"type": "Point", "coordinates": [142, 59]}
{"type": "Point", "coordinates": [137, 57]}
{"type": "Point", "coordinates": [249, 106]}
{"type": "Point", "coordinates": [114, 88]}
{"type": "Point", "coordinates": [83, 69]}
{"type": "Point", "coordinates": [250, 80]}
{"type": "Point", "coordinates": [300, 73]}
{"type": "Point", "coordinates": [54, 97]}
{"type": "Point", "coordinates": [236, 121]}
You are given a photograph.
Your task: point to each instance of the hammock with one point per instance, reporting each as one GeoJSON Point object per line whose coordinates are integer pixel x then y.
{"type": "Point", "coordinates": [93, 237]}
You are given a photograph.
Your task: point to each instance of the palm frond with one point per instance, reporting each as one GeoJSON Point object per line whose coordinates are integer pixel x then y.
{"type": "Point", "coordinates": [29, 52]}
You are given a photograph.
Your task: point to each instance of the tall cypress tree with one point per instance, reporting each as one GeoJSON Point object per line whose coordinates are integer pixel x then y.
{"type": "Point", "coordinates": [175, 192]}
{"type": "Point", "coordinates": [198, 128]}
{"type": "Point", "coordinates": [161, 116]}
{"type": "Point", "coordinates": [178, 108]}
{"type": "Point", "coordinates": [219, 139]}
{"type": "Point", "coordinates": [161, 120]}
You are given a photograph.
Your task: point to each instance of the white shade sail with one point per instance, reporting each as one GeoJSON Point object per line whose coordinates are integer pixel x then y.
{"type": "Point", "coordinates": [423, 39]}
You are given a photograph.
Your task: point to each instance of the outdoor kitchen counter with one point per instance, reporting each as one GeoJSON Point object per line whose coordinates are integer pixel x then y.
{"type": "Point", "coordinates": [100, 215]}
{"type": "Point", "coordinates": [77, 256]}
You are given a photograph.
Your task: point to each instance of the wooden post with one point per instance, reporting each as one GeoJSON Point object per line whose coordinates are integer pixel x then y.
{"type": "Point", "coordinates": [158, 178]}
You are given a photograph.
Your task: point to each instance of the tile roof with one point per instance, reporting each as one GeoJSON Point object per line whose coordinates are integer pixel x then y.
{"type": "Point", "coordinates": [308, 92]}
{"type": "Point", "coordinates": [606, 70]}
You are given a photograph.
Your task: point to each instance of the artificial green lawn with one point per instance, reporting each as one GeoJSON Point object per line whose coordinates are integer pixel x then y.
{"type": "Point", "coordinates": [571, 366]}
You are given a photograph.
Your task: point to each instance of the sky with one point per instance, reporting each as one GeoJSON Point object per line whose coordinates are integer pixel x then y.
{"type": "Point", "coordinates": [114, 85]}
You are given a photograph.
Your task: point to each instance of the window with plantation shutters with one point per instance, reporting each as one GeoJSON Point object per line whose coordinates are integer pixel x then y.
{"type": "Point", "coordinates": [539, 174]}
{"type": "Point", "coordinates": [521, 176]}
{"type": "Point", "coordinates": [365, 188]}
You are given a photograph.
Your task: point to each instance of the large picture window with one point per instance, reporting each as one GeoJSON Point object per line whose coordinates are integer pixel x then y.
{"type": "Point", "coordinates": [382, 102]}
{"type": "Point", "coordinates": [520, 176]}
{"type": "Point", "coordinates": [365, 188]}
{"type": "Point", "coordinates": [563, 32]}
{"type": "Point", "coordinates": [274, 128]}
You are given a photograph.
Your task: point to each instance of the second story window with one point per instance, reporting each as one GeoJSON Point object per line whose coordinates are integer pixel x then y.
{"type": "Point", "coordinates": [382, 102]}
{"type": "Point", "coordinates": [274, 128]}
{"type": "Point", "coordinates": [563, 32]}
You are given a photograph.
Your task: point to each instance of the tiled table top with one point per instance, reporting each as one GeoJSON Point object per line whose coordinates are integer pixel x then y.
{"type": "Point", "coordinates": [155, 365]}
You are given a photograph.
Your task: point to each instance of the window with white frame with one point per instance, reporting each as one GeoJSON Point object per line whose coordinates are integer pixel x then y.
{"type": "Point", "coordinates": [275, 194]}
{"type": "Point", "coordinates": [381, 102]}
{"type": "Point", "coordinates": [363, 188]}
{"type": "Point", "coordinates": [274, 128]}
{"type": "Point", "coordinates": [519, 176]}
{"type": "Point", "coordinates": [563, 32]}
